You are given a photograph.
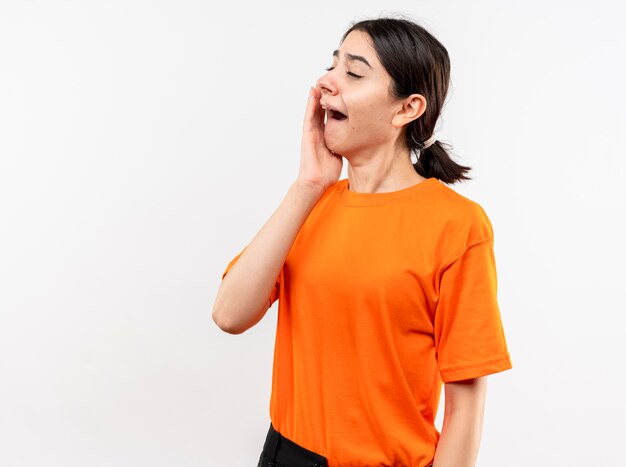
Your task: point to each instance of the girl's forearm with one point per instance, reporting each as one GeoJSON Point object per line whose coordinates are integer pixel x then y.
{"type": "Point", "coordinates": [460, 439]}
{"type": "Point", "coordinates": [243, 296]}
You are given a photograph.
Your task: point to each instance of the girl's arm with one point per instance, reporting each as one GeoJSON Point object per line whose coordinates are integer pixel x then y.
{"type": "Point", "coordinates": [462, 423]}
{"type": "Point", "coordinates": [242, 299]}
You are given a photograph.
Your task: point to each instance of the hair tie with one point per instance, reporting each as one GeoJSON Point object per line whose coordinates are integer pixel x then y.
{"type": "Point", "coordinates": [429, 141]}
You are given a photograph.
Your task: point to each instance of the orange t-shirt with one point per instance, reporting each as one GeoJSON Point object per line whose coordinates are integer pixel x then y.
{"type": "Point", "coordinates": [382, 298]}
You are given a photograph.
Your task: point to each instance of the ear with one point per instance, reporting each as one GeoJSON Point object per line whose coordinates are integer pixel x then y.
{"type": "Point", "coordinates": [412, 108]}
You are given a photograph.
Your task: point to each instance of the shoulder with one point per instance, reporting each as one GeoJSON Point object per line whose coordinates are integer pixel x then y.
{"type": "Point", "coordinates": [462, 215]}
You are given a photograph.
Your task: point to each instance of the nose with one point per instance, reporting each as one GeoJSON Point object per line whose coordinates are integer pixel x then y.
{"type": "Point", "coordinates": [326, 84]}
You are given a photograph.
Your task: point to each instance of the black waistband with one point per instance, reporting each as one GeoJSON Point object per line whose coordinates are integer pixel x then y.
{"type": "Point", "coordinates": [281, 450]}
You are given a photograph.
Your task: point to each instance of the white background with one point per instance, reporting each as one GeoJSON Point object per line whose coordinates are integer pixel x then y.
{"type": "Point", "coordinates": [144, 143]}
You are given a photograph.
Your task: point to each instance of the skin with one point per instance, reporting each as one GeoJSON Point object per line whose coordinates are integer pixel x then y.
{"type": "Point", "coordinates": [462, 423]}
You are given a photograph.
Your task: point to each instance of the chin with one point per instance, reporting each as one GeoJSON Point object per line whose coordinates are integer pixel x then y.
{"type": "Point", "coordinates": [344, 150]}
{"type": "Point", "coordinates": [338, 151]}
{"type": "Point", "coordinates": [333, 147]}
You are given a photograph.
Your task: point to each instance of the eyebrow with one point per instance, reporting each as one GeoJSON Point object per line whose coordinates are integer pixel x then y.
{"type": "Point", "coordinates": [353, 57]}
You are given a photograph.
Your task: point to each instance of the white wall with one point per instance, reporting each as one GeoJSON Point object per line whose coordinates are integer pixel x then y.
{"type": "Point", "coordinates": [143, 144]}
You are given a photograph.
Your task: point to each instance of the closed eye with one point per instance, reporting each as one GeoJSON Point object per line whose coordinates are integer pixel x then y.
{"type": "Point", "coordinates": [347, 72]}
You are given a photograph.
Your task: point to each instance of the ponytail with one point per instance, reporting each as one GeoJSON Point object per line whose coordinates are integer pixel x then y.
{"type": "Point", "coordinates": [435, 161]}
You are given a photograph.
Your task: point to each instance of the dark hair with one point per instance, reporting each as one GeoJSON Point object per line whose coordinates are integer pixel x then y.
{"type": "Point", "coordinates": [417, 63]}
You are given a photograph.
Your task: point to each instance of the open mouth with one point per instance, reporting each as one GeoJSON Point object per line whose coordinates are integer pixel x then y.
{"type": "Point", "coordinates": [335, 115]}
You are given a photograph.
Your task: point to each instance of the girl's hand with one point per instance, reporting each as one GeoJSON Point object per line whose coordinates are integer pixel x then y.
{"type": "Point", "coordinates": [319, 166]}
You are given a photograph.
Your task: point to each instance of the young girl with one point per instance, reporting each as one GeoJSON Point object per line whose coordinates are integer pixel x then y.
{"type": "Point", "coordinates": [386, 280]}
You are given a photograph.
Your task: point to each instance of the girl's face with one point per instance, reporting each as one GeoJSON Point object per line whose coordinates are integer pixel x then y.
{"type": "Point", "coordinates": [358, 86]}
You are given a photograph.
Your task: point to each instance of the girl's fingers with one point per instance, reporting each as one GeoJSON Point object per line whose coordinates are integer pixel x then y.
{"type": "Point", "coordinates": [308, 114]}
{"type": "Point", "coordinates": [318, 112]}
{"type": "Point", "coordinates": [314, 114]}
{"type": "Point", "coordinates": [311, 116]}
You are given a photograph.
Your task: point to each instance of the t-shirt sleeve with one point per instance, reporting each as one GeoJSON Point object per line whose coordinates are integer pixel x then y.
{"type": "Point", "coordinates": [275, 291]}
{"type": "Point", "coordinates": [469, 336]}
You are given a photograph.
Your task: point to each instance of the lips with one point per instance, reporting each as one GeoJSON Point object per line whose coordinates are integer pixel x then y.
{"type": "Point", "coordinates": [332, 112]}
